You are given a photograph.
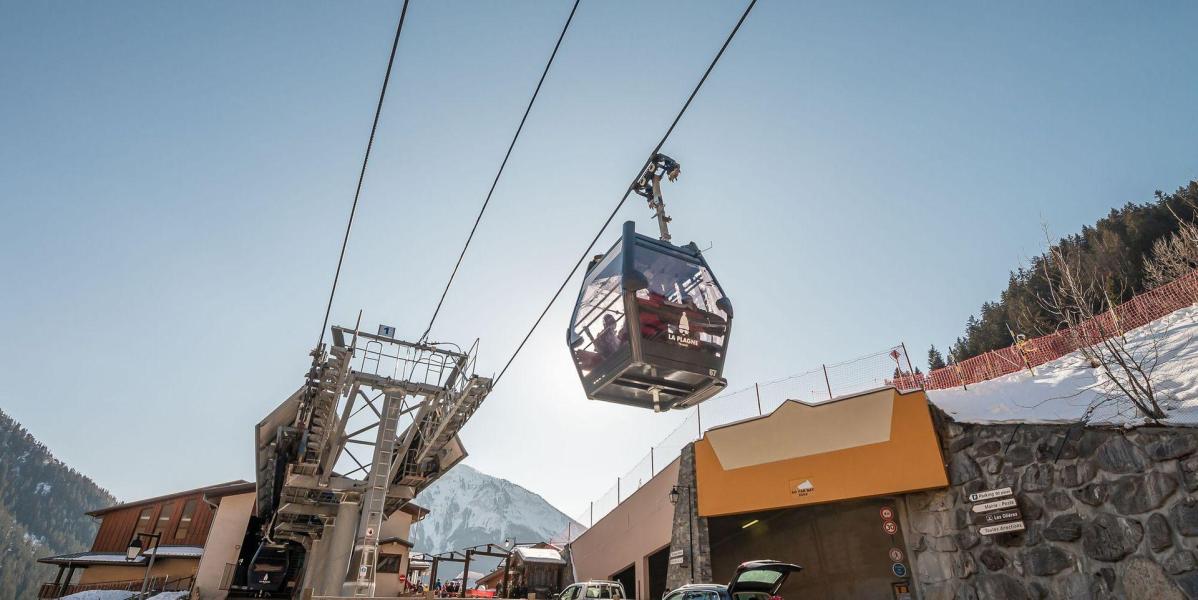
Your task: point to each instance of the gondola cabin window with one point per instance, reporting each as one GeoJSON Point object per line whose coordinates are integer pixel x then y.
{"type": "Point", "coordinates": [600, 330]}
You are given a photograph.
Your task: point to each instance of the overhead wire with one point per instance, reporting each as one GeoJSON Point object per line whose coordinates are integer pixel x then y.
{"type": "Point", "coordinates": [628, 191]}
{"type": "Point", "coordinates": [403, 13]}
{"type": "Point", "coordinates": [499, 173]}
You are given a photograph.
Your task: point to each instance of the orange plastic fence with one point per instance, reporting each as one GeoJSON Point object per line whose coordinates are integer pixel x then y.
{"type": "Point", "coordinates": [1138, 311]}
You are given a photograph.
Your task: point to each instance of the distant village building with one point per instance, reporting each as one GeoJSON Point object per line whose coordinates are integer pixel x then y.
{"type": "Point", "coordinates": [538, 569]}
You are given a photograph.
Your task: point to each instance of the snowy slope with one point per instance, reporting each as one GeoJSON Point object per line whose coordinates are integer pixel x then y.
{"type": "Point", "coordinates": [1063, 390]}
{"type": "Point", "coordinates": [467, 507]}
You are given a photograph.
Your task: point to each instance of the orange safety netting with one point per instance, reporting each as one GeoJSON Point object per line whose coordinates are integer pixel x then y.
{"type": "Point", "coordinates": [1137, 312]}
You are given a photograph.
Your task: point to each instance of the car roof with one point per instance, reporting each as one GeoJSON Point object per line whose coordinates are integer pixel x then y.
{"type": "Point", "coordinates": [596, 581]}
{"type": "Point", "coordinates": [700, 586]}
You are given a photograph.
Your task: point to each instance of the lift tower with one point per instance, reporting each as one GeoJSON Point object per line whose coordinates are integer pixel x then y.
{"type": "Point", "coordinates": [321, 504]}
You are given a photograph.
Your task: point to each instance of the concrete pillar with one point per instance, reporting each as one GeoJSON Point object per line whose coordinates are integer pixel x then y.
{"type": "Point", "coordinates": [314, 564]}
{"type": "Point", "coordinates": [690, 530]}
{"type": "Point", "coordinates": [340, 546]}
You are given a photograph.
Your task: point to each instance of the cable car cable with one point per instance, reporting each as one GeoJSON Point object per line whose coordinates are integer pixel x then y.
{"type": "Point", "coordinates": [506, 156]}
{"type": "Point", "coordinates": [631, 186]}
{"type": "Point", "coordinates": [403, 13]}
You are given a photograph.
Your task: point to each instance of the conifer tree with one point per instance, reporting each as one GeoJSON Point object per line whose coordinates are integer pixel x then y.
{"type": "Point", "coordinates": [935, 360]}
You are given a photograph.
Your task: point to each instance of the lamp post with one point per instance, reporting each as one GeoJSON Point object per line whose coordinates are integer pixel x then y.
{"type": "Point", "coordinates": [135, 549]}
{"type": "Point", "coordinates": [675, 495]}
{"type": "Point", "coordinates": [508, 546]}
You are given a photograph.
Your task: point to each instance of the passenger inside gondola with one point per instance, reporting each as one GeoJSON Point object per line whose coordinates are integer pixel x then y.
{"type": "Point", "coordinates": [607, 341]}
{"type": "Point", "coordinates": [679, 297]}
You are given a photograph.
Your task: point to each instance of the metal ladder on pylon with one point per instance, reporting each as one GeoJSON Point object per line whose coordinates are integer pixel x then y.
{"type": "Point", "coordinates": [375, 499]}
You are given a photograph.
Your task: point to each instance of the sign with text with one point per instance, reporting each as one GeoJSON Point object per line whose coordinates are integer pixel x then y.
{"type": "Point", "coordinates": [1002, 528]}
{"type": "Point", "coordinates": [996, 505]}
{"type": "Point", "coordinates": [991, 494]}
{"type": "Point", "coordinates": [1002, 516]}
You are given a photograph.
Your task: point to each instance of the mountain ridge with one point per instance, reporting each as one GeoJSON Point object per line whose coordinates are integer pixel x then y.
{"type": "Point", "coordinates": [468, 507]}
{"type": "Point", "coordinates": [42, 506]}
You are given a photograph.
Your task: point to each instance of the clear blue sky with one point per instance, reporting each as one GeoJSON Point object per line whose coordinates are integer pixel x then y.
{"type": "Point", "coordinates": [175, 177]}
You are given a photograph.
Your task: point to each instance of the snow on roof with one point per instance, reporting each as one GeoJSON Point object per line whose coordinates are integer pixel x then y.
{"type": "Point", "coordinates": [121, 595]}
{"type": "Point", "coordinates": [100, 595]}
{"type": "Point", "coordinates": [540, 555]}
{"type": "Point", "coordinates": [176, 552]}
{"type": "Point", "coordinates": [92, 557]}
{"type": "Point", "coordinates": [1068, 390]}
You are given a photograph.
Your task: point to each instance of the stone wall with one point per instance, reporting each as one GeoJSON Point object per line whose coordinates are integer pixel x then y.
{"type": "Point", "coordinates": [1110, 513]}
{"type": "Point", "coordinates": [690, 530]}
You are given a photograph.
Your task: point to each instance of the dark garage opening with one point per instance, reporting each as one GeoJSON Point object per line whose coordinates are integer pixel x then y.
{"type": "Point", "coordinates": [658, 564]}
{"type": "Point", "coordinates": [842, 547]}
{"type": "Point", "coordinates": [628, 578]}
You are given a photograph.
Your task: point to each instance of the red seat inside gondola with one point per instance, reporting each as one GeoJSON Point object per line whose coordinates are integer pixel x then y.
{"type": "Point", "coordinates": [657, 313]}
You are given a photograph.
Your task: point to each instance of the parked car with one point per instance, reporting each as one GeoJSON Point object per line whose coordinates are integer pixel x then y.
{"type": "Point", "coordinates": [754, 580]}
{"type": "Point", "coordinates": [592, 590]}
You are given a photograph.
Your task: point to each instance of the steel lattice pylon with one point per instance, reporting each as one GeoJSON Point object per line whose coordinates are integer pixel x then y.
{"type": "Point", "coordinates": [407, 402]}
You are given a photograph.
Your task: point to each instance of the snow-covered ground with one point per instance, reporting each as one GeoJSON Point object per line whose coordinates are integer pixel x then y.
{"type": "Point", "coordinates": [1064, 390]}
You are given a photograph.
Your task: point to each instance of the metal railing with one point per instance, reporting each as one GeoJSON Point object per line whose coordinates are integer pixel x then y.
{"type": "Point", "coordinates": [888, 367]}
{"type": "Point", "coordinates": [156, 585]}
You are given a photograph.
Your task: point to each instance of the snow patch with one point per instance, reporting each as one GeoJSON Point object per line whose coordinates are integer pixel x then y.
{"type": "Point", "coordinates": [1066, 390]}
{"type": "Point", "coordinates": [100, 595]}
{"type": "Point", "coordinates": [43, 488]}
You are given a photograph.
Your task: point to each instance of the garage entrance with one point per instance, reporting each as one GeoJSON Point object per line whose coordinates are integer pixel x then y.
{"type": "Point", "coordinates": [658, 565]}
{"type": "Point", "coordinates": [849, 550]}
{"type": "Point", "coordinates": [628, 578]}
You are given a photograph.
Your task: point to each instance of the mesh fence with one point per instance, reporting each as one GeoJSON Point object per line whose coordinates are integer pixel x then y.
{"type": "Point", "coordinates": [888, 367]}
{"type": "Point", "coordinates": [1137, 312]}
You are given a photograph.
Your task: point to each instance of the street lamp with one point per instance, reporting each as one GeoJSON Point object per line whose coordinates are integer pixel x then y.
{"type": "Point", "coordinates": [675, 496]}
{"type": "Point", "coordinates": [135, 549]}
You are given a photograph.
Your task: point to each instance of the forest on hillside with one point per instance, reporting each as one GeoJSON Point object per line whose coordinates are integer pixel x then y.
{"type": "Point", "coordinates": [42, 506]}
{"type": "Point", "coordinates": [1133, 249]}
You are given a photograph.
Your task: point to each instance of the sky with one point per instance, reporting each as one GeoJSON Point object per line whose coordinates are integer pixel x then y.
{"type": "Point", "coordinates": [175, 179]}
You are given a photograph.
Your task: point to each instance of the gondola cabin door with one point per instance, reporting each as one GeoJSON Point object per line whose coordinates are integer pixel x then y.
{"type": "Point", "coordinates": [651, 325]}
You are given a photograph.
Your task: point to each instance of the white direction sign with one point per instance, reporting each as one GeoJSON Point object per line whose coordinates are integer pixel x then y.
{"type": "Point", "coordinates": [996, 505]}
{"type": "Point", "coordinates": [991, 494]}
{"type": "Point", "coordinates": [1003, 528]}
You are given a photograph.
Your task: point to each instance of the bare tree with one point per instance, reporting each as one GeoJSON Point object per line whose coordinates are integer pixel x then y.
{"type": "Point", "coordinates": [1172, 256]}
{"type": "Point", "coordinates": [1084, 301]}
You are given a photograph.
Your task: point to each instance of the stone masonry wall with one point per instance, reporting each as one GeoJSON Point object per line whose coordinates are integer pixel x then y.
{"type": "Point", "coordinates": [1110, 513]}
{"type": "Point", "coordinates": [691, 538]}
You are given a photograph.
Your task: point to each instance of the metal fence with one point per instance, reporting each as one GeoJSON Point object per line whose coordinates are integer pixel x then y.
{"type": "Point", "coordinates": [1137, 312]}
{"type": "Point", "coordinates": [888, 367]}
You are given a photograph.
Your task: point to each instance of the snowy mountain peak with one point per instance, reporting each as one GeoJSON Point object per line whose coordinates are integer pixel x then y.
{"type": "Point", "coordinates": [467, 507]}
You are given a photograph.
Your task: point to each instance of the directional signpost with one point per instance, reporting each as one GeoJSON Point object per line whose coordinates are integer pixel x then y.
{"type": "Point", "coordinates": [995, 511]}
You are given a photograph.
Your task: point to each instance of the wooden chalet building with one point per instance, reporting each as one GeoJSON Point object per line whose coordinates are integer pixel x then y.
{"type": "Point", "coordinates": [536, 569]}
{"type": "Point", "coordinates": [185, 520]}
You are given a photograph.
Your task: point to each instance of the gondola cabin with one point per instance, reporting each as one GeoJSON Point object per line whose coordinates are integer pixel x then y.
{"type": "Point", "coordinates": [651, 325]}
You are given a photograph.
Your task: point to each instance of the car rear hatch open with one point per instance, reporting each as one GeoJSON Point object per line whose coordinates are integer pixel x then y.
{"type": "Point", "coordinates": [761, 576]}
